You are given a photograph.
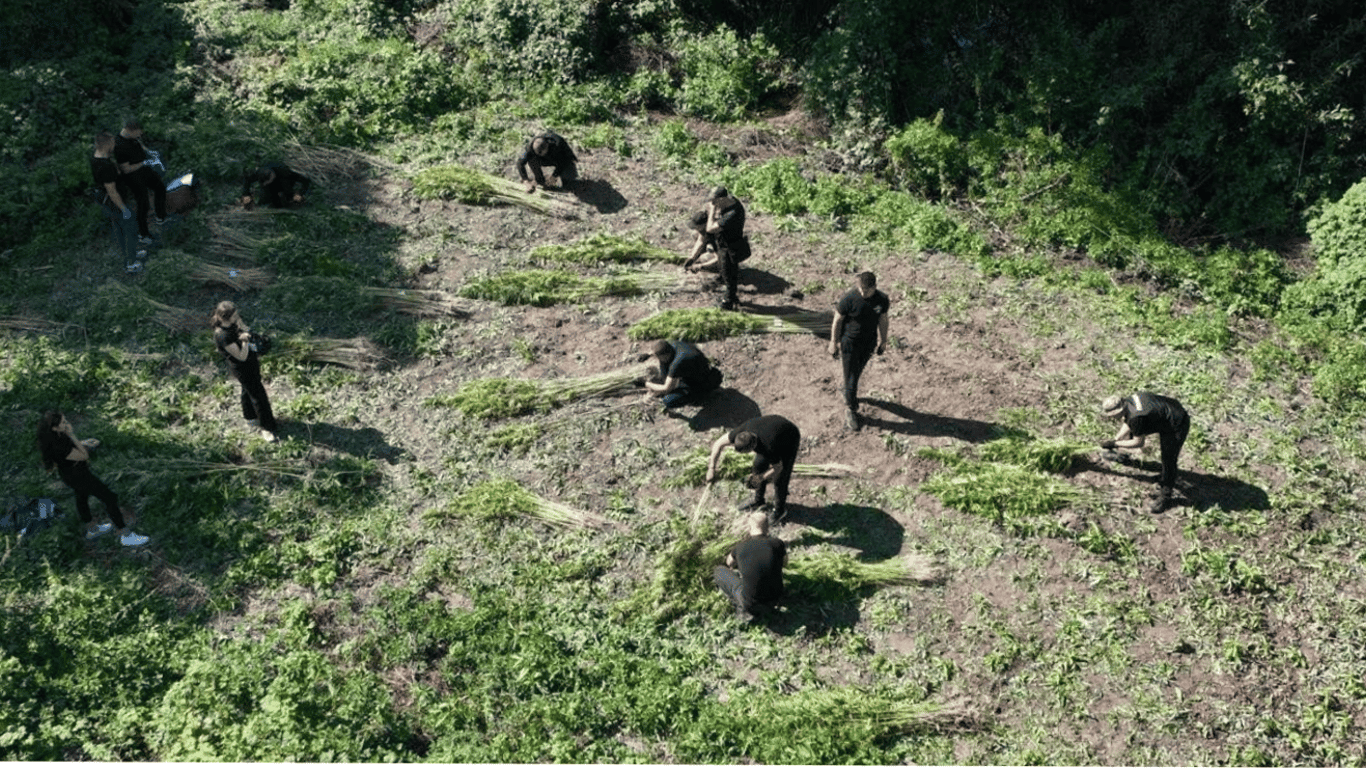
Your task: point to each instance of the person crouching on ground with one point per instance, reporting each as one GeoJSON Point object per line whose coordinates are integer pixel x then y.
{"type": "Point", "coordinates": [753, 574]}
{"type": "Point", "coordinates": [277, 182]}
{"type": "Point", "coordinates": [60, 448]}
{"type": "Point", "coordinates": [858, 330]}
{"type": "Point", "coordinates": [1145, 414]}
{"type": "Point", "coordinates": [774, 441]}
{"type": "Point", "coordinates": [685, 375]}
{"type": "Point", "coordinates": [720, 227]}
{"type": "Point", "coordinates": [232, 337]}
{"type": "Point", "coordinates": [548, 149]}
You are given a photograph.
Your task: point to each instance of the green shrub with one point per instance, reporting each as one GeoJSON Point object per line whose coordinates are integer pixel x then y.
{"type": "Point", "coordinates": [724, 77]}
{"type": "Point", "coordinates": [928, 160]}
{"type": "Point", "coordinates": [680, 147]}
{"type": "Point", "coordinates": [776, 187]}
{"type": "Point", "coordinates": [900, 221]}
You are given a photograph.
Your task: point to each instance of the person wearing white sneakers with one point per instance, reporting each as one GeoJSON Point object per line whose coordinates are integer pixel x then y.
{"type": "Point", "coordinates": [60, 448]}
{"type": "Point", "coordinates": [233, 338]}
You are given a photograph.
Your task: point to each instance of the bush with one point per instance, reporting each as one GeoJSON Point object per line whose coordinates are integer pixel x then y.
{"type": "Point", "coordinates": [724, 77]}
{"type": "Point", "coordinates": [927, 160]}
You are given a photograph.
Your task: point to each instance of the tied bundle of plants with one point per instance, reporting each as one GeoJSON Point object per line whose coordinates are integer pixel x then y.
{"type": "Point", "coordinates": [236, 278]}
{"type": "Point", "coordinates": [418, 303]}
{"type": "Point", "coordinates": [544, 288]}
{"type": "Point", "coordinates": [501, 398]}
{"type": "Point", "coordinates": [691, 469]}
{"type": "Point", "coordinates": [38, 325]}
{"type": "Point", "coordinates": [712, 324]}
{"type": "Point", "coordinates": [241, 234]}
{"type": "Point", "coordinates": [330, 165]}
{"type": "Point", "coordinates": [603, 247]}
{"type": "Point", "coordinates": [504, 499]}
{"type": "Point", "coordinates": [870, 714]}
{"type": "Point", "coordinates": [357, 353]}
{"type": "Point", "coordinates": [466, 185]}
{"type": "Point", "coordinates": [131, 301]}
{"type": "Point", "coordinates": [852, 574]}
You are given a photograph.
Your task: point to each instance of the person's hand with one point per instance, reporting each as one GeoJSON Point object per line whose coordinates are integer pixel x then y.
{"type": "Point", "coordinates": [834, 350]}
{"type": "Point", "coordinates": [298, 198]}
{"type": "Point", "coordinates": [127, 214]}
{"type": "Point", "coordinates": [246, 200]}
{"type": "Point", "coordinates": [1108, 445]}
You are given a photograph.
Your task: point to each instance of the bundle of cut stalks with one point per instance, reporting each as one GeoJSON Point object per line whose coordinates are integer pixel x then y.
{"type": "Point", "coordinates": [855, 574]}
{"type": "Point", "coordinates": [603, 247]}
{"type": "Point", "coordinates": [236, 278]}
{"type": "Point", "coordinates": [358, 353]}
{"type": "Point", "coordinates": [171, 318]}
{"type": "Point", "coordinates": [241, 234]}
{"type": "Point", "coordinates": [505, 500]}
{"type": "Point", "coordinates": [543, 288]}
{"type": "Point", "coordinates": [711, 324]}
{"type": "Point", "coordinates": [500, 398]}
{"type": "Point", "coordinates": [169, 471]}
{"type": "Point", "coordinates": [329, 165]}
{"type": "Point", "coordinates": [419, 303]}
{"type": "Point", "coordinates": [35, 325]}
{"type": "Point", "coordinates": [737, 466]}
{"type": "Point", "coordinates": [455, 182]}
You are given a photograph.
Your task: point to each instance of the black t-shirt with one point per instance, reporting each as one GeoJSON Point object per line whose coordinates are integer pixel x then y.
{"type": "Point", "coordinates": [557, 154]}
{"type": "Point", "coordinates": [104, 171]}
{"type": "Point", "coordinates": [285, 178]}
{"type": "Point", "coordinates": [128, 151]}
{"type": "Point", "coordinates": [1148, 414]}
{"type": "Point", "coordinates": [57, 452]}
{"type": "Point", "coordinates": [760, 562]}
{"type": "Point", "coordinates": [689, 365]}
{"type": "Point", "coordinates": [861, 316]}
{"type": "Point", "coordinates": [732, 221]}
{"type": "Point", "coordinates": [222, 338]}
{"type": "Point", "coordinates": [776, 439]}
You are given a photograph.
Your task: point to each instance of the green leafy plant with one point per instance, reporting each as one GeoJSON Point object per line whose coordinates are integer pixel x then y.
{"type": "Point", "coordinates": [500, 398]}
{"type": "Point", "coordinates": [710, 324]}
{"type": "Point", "coordinates": [466, 185]}
{"type": "Point", "coordinates": [543, 288]}
{"type": "Point", "coordinates": [504, 499]}
{"type": "Point", "coordinates": [603, 247]}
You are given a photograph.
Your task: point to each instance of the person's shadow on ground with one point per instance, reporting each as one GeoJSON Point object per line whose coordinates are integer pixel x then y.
{"type": "Point", "coordinates": [905, 421]}
{"type": "Point", "coordinates": [765, 283]}
{"type": "Point", "coordinates": [599, 194]}
{"type": "Point", "coordinates": [1201, 491]}
{"type": "Point", "coordinates": [726, 407]}
{"type": "Point", "coordinates": [366, 442]}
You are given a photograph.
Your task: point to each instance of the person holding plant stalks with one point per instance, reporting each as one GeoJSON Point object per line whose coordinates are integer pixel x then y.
{"type": "Point", "coordinates": [1145, 414]}
{"type": "Point", "coordinates": [753, 574]}
{"type": "Point", "coordinates": [774, 441]}
{"type": "Point", "coordinates": [70, 455]}
{"type": "Point", "coordinates": [547, 149]}
{"type": "Point", "coordinates": [720, 227]}
{"type": "Point", "coordinates": [277, 182]}
{"type": "Point", "coordinates": [685, 375]}
{"type": "Point", "coordinates": [858, 330]}
{"type": "Point", "coordinates": [234, 340]}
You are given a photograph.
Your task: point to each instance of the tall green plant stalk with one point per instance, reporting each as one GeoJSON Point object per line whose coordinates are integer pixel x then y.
{"type": "Point", "coordinates": [712, 324]}
{"type": "Point", "coordinates": [500, 397]}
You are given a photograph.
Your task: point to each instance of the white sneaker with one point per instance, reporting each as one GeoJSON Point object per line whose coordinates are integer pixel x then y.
{"type": "Point", "coordinates": [134, 268]}
{"type": "Point", "coordinates": [269, 436]}
{"type": "Point", "coordinates": [99, 530]}
{"type": "Point", "coordinates": [131, 539]}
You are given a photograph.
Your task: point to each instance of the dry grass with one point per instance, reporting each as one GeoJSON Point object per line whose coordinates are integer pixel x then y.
{"type": "Point", "coordinates": [236, 278]}
{"type": "Point", "coordinates": [25, 324]}
{"type": "Point", "coordinates": [419, 303]}
{"type": "Point", "coordinates": [357, 353]}
{"type": "Point", "coordinates": [330, 165]}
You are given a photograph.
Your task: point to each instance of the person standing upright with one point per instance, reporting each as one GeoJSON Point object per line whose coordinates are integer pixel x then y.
{"type": "Point", "coordinates": [720, 227]}
{"type": "Point", "coordinates": [232, 337]}
{"type": "Point", "coordinates": [70, 456]}
{"type": "Point", "coordinates": [858, 330]}
{"type": "Point", "coordinates": [146, 184]}
{"type": "Point", "coordinates": [114, 199]}
{"type": "Point", "coordinates": [1142, 414]}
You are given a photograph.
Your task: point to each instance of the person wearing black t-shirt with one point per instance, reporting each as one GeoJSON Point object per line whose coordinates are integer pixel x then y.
{"type": "Point", "coordinates": [753, 574]}
{"type": "Point", "coordinates": [858, 330]}
{"type": "Point", "coordinates": [1144, 414]}
{"type": "Point", "coordinates": [721, 227]}
{"type": "Point", "coordinates": [774, 441]}
{"type": "Point", "coordinates": [146, 183]}
{"type": "Point", "coordinates": [547, 149]}
{"type": "Point", "coordinates": [113, 196]}
{"type": "Point", "coordinates": [687, 376]}
{"type": "Point", "coordinates": [277, 182]}
{"type": "Point", "coordinates": [232, 337]}
{"type": "Point", "coordinates": [60, 448]}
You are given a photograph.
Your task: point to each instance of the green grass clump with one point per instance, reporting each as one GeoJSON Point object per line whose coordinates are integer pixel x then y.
{"type": "Point", "coordinates": [682, 580]}
{"type": "Point", "coordinates": [506, 500]}
{"type": "Point", "coordinates": [1054, 456]}
{"type": "Point", "coordinates": [466, 185]}
{"type": "Point", "coordinates": [544, 288]}
{"type": "Point", "coordinates": [501, 398]}
{"type": "Point", "coordinates": [692, 468]}
{"type": "Point", "coordinates": [712, 324]}
{"type": "Point", "coordinates": [1016, 498]}
{"type": "Point", "coordinates": [603, 247]}
{"type": "Point", "coordinates": [516, 438]}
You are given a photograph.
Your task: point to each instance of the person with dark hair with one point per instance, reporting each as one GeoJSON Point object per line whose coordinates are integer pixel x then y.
{"type": "Point", "coordinates": [685, 375]}
{"type": "Point", "coordinates": [548, 149]}
{"type": "Point", "coordinates": [114, 196]}
{"type": "Point", "coordinates": [145, 182]}
{"type": "Point", "coordinates": [60, 448]}
{"type": "Point", "coordinates": [858, 330]}
{"type": "Point", "coordinates": [277, 182]}
{"type": "Point", "coordinates": [774, 441]}
{"type": "Point", "coordinates": [721, 237]}
{"type": "Point", "coordinates": [753, 574]}
{"type": "Point", "coordinates": [233, 339]}
{"type": "Point", "coordinates": [1144, 414]}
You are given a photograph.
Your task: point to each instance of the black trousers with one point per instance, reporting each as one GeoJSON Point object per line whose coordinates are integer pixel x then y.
{"type": "Point", "coordinates": [567, 171]}
{"type": "Point", "coordinates": [85, 485]}
{"type": "Point", "coordinates": [255, 401]}
{"type": "Point", "coordinates": [854, 358]}
{"type": "Point", "coordinates": [1171, 443]}
{"type": "Point", "coordinates": [142, 181]}
{"type": "Point", "coordinates": [780, 483]}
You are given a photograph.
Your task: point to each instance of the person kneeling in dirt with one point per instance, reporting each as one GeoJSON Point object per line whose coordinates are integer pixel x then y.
{"type": "Point", "coordinates": [774, 441]}
{"type": "Point", "coordinates": [685, 375]}
{"type": "Point", "coordinates": [548, 149]}
{"type": "Point", "coordinates": [753, 574]}
{"type": "Point", "coordinates": [1145, 414]}
{"type": "Point", "coordinates": [721, 240]}
{"type": "Point", "coordinates": [277, 182]}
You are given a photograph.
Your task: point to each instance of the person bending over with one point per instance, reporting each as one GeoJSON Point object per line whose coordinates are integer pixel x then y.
{"type": "Point", "coordinates": [858, 330]}
{"type": "Point", "coordinates": [60, 448]}
{"type": "Point", "coordinates": [1144, 414]}
{"type": "Point", "coordinates": [277, 182]}
{"type": "Point", "coordinates": [721, 240]}
{"type": "Point", "coordinates": [547, 149]}
{"type": "Point", "coordinates": [774, 441]}
{"type": "Point", "coordinates": [232, 337]}
{"type": "Point", "coordinates": [686, 376]}
{"type": "Point", "coordinates": [753, 574]}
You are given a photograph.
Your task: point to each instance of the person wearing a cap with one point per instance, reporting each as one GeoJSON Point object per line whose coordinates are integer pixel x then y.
{"type": "Point", "coordinates": [1142, 414]}
{"type": "Point", "coordinates": [753, 574]}
{"type": "Point", "coordinates": [721, 226]}
{"type": "Point", "coordinates": [547, 149]}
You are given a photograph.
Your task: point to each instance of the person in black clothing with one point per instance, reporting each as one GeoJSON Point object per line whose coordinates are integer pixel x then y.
{"type": "Point", "coordinates": [144, 181]}
{"type": "Point", "coordinates": [114, 198]}
{"type": "Point", "coordinates": [1145, 414]}
{"type": "Point", "coordinates": [858, 330]}
{"type": "Point", "coordinates": [60, 448]}
{"type": "Point", "coordinates": [233, 339]}
{"type": "Point", "coordinates": [547, 149]}
{"type": "Point", "coordinates": [685, 374]}
{"type": "Point", "coordinates": [774, 441]}
{"type": "Point", "coordinates": [720, 227]}
{"type": "Point", "coordinates": [277, 182]}
{"type": "Point", "coordinates": [753, 574]}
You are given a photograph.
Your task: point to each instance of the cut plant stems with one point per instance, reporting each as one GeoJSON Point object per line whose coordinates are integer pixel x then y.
{"type": "Point", "coordinates": [604, 247]}
{"type": "Point", "coordinates": [504, 499]}
{"type": "Point", "coordinates": [737, 466]}
{"type": "Point", "coordinates": [544, 288]}
{"type": "Point", "coordinates": [712, 324]}
{"type": "Point", "coordinates": [466, 185]}
{"type": "Point", "coordinates": [501, 397]}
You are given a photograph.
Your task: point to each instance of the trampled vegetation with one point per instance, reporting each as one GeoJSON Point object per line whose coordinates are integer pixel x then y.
{"type": "Point", "coordinates": [1159, 196]}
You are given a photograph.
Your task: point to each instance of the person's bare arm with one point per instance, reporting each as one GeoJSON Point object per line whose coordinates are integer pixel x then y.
{"type": "Point", "coordinates": [1124, 438]}
{"type": "Point", "coordinates": [669, 385]}
{"type": "Point", "coordinates": [836, 328]}
{"type": "Point", "coordinates": [882, 324]}
{"type": "Point", "coordinates": [112, 190]}
{"type": "Point", "coordinates": [238, 349]}
{"type": "Point", "coordinates": [716, 449]}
